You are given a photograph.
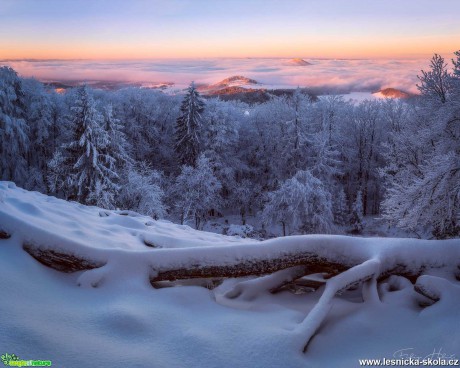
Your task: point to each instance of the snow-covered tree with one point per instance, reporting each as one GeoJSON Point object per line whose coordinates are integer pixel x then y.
{"type": "Point", "coordinates": [39, 106]}
{"type": "Point", "coordinates": [196, 192]}
{"type": "Point", "coordinates": [456, 77]}
{"type": "Point", "coordinates": [324, 139]}
{"type": "Point", "coordinates": [324, 161]}
{"type": "Point", "coordinates": [243, 197]}
{"type": "Point", "coordinates": [188, 127]}
{"type": "Point", "coordinates": [135, 107]}
{"type": "Point", "coordinates": [148, 118]}
{"type": "Point", "coordinates": [117, 146]}
{"type": "Point", "coordinates": [57, 170]}
{"type": "Point", "coordinates": [357, 213]}
{"type": "Point", "coordinates": [340, 208]}
{"type": "Point", "coordinates": [88, 169]}
{"type": "Point", "coordinates": [362, 136]}
{"type": "Point", "coordinates": [296, 115]}
{"type": "Point", "coordinates": [437, 82]}
{"type": "Point", "coordinates": [424, 192]}
{"type": "Point", "coordinates": [302, 203]}
{"type": "Point", "coordinates": [14, 140]}
{"type": "Point", "coordinates": [219, 133]}
{"type": "Point", "coordinates": [431, 201]}
{"type": "Point", "coordinates": [219, 130]}
{"type": "Point", "coordinates": [142, 192]}
{"type": "Point", "coordinates": [107, 148]}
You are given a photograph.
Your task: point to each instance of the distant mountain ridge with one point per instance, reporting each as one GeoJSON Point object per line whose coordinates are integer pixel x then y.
{"type": "Point", "coordinates": [238, 80]}
{"type": "Point", "coordinates": [298, 62]}
{"type": "Point", "coordinates": [236, 84]}
{"type": "Point", "coordinates": [392, 93]}
{"type": "Point", "coordinates": [236, 87]}
{"type": "Point", "coordinates": [245, 89]}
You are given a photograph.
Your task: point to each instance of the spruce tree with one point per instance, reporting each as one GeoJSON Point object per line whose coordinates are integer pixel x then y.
{"type": "Point", "coordinates": [187, 127]}
{"type": "Point", "coordinates": [14, 140]}
{"type": "Point", "coordinates": [91, 167]}
{"type": "Point", "coordinates": [39, 120]}
{"type": "Point", "coordinates": [117, 145]}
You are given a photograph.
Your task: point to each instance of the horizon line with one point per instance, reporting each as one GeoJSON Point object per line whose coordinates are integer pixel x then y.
{"type": "Point", "coordinates": [28, 59]}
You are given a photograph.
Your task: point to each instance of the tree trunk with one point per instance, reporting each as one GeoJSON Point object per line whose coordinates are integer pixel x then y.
{"type": "Point", "coordinates": [347, 261]}
{"type": "Point", "coordinates": [252, 266]}
{"type": "Point", "coordinates": [320, 254]}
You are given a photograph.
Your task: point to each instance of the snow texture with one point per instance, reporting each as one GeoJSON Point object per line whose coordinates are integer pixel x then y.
{"type": "Point", "coordinates": [125, 322]}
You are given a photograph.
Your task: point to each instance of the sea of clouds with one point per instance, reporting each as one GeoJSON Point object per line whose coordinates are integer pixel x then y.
{"type": "Point", "coordinates": [335, 74]}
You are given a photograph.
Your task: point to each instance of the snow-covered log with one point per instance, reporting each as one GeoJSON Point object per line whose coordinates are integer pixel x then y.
{"type": "Point", "coordinates": [318, 253]}
{"type": "Point", "coordinates": [352, 260]}
{"type": "Point", "coordinates": [61, 261]}
{"type": "Point", "coordinates": [234, 261]}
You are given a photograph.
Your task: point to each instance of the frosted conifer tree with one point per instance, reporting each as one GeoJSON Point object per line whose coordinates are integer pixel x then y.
{"type": "Point", "coordinates": [91, 168]}
{"type": "Point", "coordinates": [188, 124]}
{"type": "Point", "coordinates": [39, 119]}
{"type": "Point", "coordinates": [117, 146]}
{"type": "Point", "coordinates": [14, 141]}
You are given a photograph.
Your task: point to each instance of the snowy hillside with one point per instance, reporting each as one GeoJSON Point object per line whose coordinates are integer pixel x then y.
{"type": "Point", "coordinates": [111, 316]}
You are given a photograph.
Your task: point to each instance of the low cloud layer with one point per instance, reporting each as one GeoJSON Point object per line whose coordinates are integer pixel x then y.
{"type": "Point", "coordinates": [349, 75]}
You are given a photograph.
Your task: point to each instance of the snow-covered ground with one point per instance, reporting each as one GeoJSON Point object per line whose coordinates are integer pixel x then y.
{"type": "Point", "coordinates": [126, 323]}
{"type": "Point", "coordinates": [232, 225]}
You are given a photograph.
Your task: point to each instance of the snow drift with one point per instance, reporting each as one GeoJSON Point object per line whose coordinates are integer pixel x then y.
{"type": "Point", "coordinates": [110, 315]}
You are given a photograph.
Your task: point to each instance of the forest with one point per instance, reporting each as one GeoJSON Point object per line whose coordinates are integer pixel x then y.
{"type": "Point", "coordinates": [305, 165]}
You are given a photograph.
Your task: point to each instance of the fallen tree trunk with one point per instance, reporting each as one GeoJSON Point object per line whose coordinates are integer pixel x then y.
{"type": "Point", "coordinates": [240, 261]}
{"type": "Point", "coordinates": [60, 261]}
{"type": "Point", "coordinates": [67, 262]}
{"type": "Point", "coordinates": [346, 261]}
{"type": "Point", "coordinates": [260, 267]}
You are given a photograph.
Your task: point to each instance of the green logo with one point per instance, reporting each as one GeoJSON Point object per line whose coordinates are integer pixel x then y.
{"type": "Point", "coordinates": [13, 360]}
{"type": "Point", "coordinates": [7, 358]}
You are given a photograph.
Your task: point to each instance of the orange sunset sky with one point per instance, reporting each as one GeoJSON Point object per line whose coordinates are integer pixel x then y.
{"type": "Point", "coordinates": [138, 29]}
